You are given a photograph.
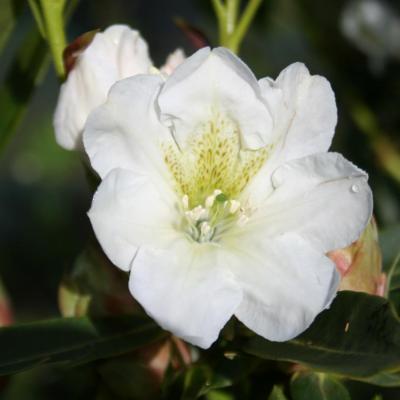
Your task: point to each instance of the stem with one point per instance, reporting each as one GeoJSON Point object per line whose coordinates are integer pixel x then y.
{"type": "Point", "coordinates": [244, 24]}
{"type": "Point", "coordinates": [55, 34]}
{"type": "Point", "coordinates": [232, 9]}
{"type": "Point", "coordinates": [37, 14]}
{"type": "Point", "coordinates": [220, 11]}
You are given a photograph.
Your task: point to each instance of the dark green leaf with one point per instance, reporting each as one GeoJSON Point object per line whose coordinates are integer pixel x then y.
{"type": "Point", "coordinates": [21, 80]}
{"type": "Point", "coordinates": [317, 386]}
{"type": "Point", "coordinates": [75, 340]}
{"type": "Point", "coordinates": [359, 335]}
{"type": "Point", "coordinates": [196, 380]}
{"type": "Point", "coordinates": [277, 394]}
{"type": "Point", "coordinates": [129, 377]}
{"type": "Point", "coordinates": [385, 379]}
{"type": "Point", "coordinates": [188, 384]}
{"type": "Point", "coordinates": [9, 12]}
{"type": "Point", "coordinates": [389, 240]}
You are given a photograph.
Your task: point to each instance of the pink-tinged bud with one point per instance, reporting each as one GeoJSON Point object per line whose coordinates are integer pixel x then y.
{"type": "Point", "coordinates": [360, 264]}
{"type": "Point", "coordinates": [6, 315]}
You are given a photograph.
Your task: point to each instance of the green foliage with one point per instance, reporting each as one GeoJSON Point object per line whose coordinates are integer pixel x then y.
{"type": "Point", "coordinates": [384, 379]}
{"type": "Point", "coordinates": [317, 386]}
{"type": "Point", "coordinates": [359, 335]}
{"type": "Point", "coordinates": [22, 78]}
{"type": "Point", "coordinates": [72, 340]}
{"type": "Point", "coordinates": [277, 394]}
{"type": "Point", "coordinates": [9, 13]}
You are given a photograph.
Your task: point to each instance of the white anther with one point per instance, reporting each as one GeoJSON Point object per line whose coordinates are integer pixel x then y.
{"type": "Point", "coordinates": [234, 206]}
{"type": "Point", "coordinates": [197, 213]}
{"type": "Point", "coordinates": [185, 201]}
{"type": "Point", "coordinates": [210, 201]}
{"type": "Point", "coordinates": [205, 228]}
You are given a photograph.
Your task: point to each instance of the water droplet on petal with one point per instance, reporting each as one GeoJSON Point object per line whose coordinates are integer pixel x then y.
{"type": "Point", "coordinates": [355, 188]}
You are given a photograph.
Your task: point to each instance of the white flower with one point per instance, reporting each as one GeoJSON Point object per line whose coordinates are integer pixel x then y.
{"type": "Point", "coordinates": [220, 198]}
{"type": "Point", "coordinates": [116, 53]}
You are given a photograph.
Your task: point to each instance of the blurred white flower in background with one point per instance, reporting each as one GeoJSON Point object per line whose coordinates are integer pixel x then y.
{"type": "Point", "coordinates": [374, 28]}
{"type": "Point", "coordinates": [219, 196]}
{"type": "Point", "coordinates": [116, 53]}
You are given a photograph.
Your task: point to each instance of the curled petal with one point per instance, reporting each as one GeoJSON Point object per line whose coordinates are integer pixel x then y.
{"type": "Point", "coordinates": [304, 113]}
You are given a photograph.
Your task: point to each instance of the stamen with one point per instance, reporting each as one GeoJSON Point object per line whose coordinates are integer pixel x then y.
{"type": "Point", "coordinates": [234, 206]}
{"type": "Point", "coordinates": [196, 214]}
{"type": "Point", "coordinates": [210, 199]}
{"type": "Point", "coordinates": [205, 232]}
{"type": "Point", "coordinates": [185, 202]}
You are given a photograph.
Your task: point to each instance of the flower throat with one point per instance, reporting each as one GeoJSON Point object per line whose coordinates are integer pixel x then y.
{"type": "Point", "coordinates": [210, 173]}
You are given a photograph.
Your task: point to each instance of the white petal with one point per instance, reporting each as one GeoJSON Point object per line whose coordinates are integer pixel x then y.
{"type": "Point", "coordinates": [129, 211]}
{"type": "Point", "coordinates": [116, 53]}
{"type": "Point", "coordinates": [215, 81]}
{"type": "Point", "coordinates": [173, 61]}
{"type": "Point", "coordinates": [125, 132]}
{"type": "Point", "coordinates": [186, 289]}
{"type": "Point", "coordinates": [285, 283]}
{"type": "Point", "coordinates": [323, 198]}
{"type": "Point", "coordinates": [304, 112]}
{"type": "Point", "coordinates": [313, 101]}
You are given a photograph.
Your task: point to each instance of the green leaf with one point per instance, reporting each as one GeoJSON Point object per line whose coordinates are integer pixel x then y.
{"type": "Point", "coordinates": [277, 393]}
{"type": "Point", "coordinates": [9, 12]}
{"type": "Point", "coordinates": [188, 384]}
{"type": "Point", "coordinates": [196, 380]}
{"type": "Point", "coordinates": [129, 377]}
{"type": "Point", "coordinates": [390, 245]}
{"type": "Point", "coordinates": [317, 386]}
{"type": "Point", "coordinates": [359, 335]}
{"type": "Point", "coordinates": [75, 340]}
{"type": "Point", "coordinates": [23, 76]}
{"type": "Point", "coordinates": [219, 395]}
{"type": "Point", "coordinates": [385, 379]}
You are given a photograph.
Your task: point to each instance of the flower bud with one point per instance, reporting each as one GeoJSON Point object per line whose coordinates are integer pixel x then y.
{"type": "Point", "coordinates": [360, 264]}
{"type": "Point", "coordinates": [116, 53]}
{"type": "Point", "coordinates": [95, 61]}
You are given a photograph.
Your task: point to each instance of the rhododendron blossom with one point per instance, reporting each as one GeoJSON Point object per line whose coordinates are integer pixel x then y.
{"type": "Point", "coordinates": [219, 196]}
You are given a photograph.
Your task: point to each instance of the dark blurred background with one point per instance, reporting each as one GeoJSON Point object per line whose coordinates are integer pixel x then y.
{"type": "Point", "coordinates": [44, 194]}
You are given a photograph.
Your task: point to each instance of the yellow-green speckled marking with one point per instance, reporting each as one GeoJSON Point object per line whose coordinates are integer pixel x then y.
{"type": "Point", "coordinates": [213, 159]}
